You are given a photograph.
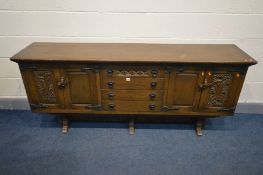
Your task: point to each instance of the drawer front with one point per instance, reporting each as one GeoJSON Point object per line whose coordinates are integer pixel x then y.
{"type": "Point", "coordinates": [133, 71]}
{"type": "Point", "coordinates": [132, 95]}
{"type": "Point", "coordinates": [131, 106]}
{"type": "Point", "coordinates": [132, 83]}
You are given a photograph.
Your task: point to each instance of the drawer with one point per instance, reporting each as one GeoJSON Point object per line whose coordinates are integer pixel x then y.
{"type": "Point", "coordinates": [139, 95]}
{"type": "Point", "coordinates": [131, 106]}
{"type": "Point", "coordinates": [132, 83]}
{"type": "Point", "coordinates": [133, 71]}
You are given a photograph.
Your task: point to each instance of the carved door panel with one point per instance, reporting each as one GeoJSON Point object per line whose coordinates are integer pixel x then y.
{"type": "Point", "coordinates": [41, 87]}
{"type": "Point", "coordinates": [220, 91]}
{"type": "Point", "coordinates": [82, 89]}
{"type": "Point", "coordinates": [183, 93]}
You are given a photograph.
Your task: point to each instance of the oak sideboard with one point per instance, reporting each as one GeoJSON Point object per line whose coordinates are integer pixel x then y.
{"type": "Point", "coordinates": [175, 80]}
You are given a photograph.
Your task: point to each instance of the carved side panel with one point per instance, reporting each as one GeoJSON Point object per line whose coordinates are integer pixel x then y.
{"type": "Point", "coordinates": [45, 86]}
{"type": "Point", "coordinates": [219, 89]}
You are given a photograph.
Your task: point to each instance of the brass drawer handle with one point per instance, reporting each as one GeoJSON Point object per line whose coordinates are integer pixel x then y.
{"type": "Point", "coordinates": [110, 84]}
{"type": "Point", "coordinates": [110, 95]}
{"type": "Point", "coordinates": [111, 106]}
{"type": "Point", "coordinates": [153, 84]}
{"type": "Point", "coordinates": [166, 108]}
{"type": "Point", "coordinates": [152, 107]}
{"type": "Point", "coordinates": [152, 96]}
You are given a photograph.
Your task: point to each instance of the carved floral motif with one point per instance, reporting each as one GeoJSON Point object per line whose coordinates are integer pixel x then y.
{"type": "Point", "coordinates": [45, 86]}
{"type": "Point", "coordinates": [219, 89]}
{"type": "Point", "coordinates": [130, 73]}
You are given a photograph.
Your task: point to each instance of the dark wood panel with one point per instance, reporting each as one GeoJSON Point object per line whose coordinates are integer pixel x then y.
{"type": "Point", "coordinates": [80, 82]}
{"type": "Point", "coordinates": [185, 87]}
{"type": "Point", "coordinates": [183, 92]}
{"type": "Point", "coordinates": [83, 89]}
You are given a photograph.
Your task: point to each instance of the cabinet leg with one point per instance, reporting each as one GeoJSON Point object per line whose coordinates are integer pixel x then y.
{"type": "Point", "coordinates": [131, 127]}
{"type": "Point", "coordinates": [65, 125]}
{"type": "Point", "coordinates": [199, 126]}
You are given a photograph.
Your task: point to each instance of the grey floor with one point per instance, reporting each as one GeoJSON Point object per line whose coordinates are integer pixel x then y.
{"type": "Point", "coordinates": [33, 144]}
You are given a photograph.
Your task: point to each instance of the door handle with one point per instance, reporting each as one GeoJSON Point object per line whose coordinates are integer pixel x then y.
{"type": "Point", "coordinates": [206, 84]}
{"type": "Point", "coordinates": [62, 82]}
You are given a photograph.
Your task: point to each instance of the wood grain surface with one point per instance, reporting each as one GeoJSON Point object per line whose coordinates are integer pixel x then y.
{"type": "Point", "coordinates": [123, 52]}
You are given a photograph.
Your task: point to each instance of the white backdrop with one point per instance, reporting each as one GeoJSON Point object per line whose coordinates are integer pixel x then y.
{"type": "Point", "coordinates": [148, 21]}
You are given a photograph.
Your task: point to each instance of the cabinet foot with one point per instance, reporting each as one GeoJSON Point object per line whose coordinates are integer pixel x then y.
{"type": "Point", "coordinates": [199, 127]}
{"type": "Point", "coordinates": [131, 127]}
{"type": "Point", "coordinates": [65, 125]}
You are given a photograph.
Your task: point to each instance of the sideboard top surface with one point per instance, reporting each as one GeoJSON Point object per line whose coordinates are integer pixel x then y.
{"type": "Point", "coordinates": [134, 52]}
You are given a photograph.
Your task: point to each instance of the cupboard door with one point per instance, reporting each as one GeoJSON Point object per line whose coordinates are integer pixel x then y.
{"type": "Point", "coordinates": [221, 90]}
{"type": "Point", "coordinates": [82, 91]}
{"type": "Point", "coordinates": [41, 87]}
{"type": "Point", "coordinates": [183, 93]}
